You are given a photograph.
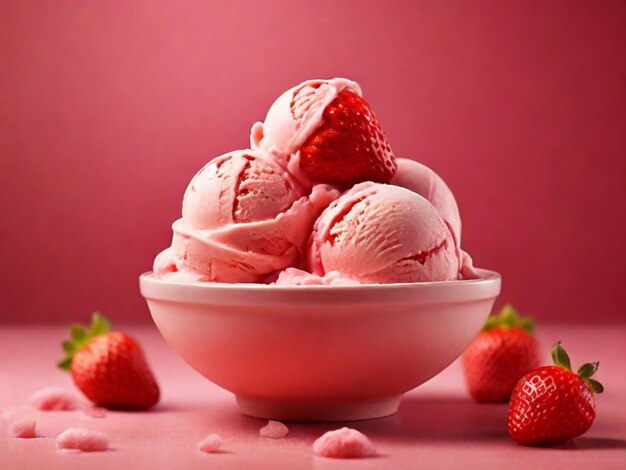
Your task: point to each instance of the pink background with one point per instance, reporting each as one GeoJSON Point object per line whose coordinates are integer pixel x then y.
{"type": "Point", "coordinates": [109, 108]}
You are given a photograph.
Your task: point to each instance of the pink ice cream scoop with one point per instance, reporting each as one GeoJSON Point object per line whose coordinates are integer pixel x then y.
{"type": "Point", "coordinates": [425, 182]}
{"type": "Point", "coordinates": [377, 233]}
{"type": "Point", "coordinates": [243, 217]}
{"type": "Point", "coordinates": [428, 184]}
{"type": "Point", "coordinates": [293, 118]}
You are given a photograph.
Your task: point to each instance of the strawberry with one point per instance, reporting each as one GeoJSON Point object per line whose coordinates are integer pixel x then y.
{"type": "Point", "coordinates": [500, 355]}
{"type": "Point", "coordinates": [109, 367]}
{"type": "Point", "coordinates": [553, 404]}
{"type": "Point", "coordinates": [350, 147]}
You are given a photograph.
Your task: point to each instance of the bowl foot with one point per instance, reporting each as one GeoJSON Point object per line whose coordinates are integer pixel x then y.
{"type": "Point", "coordinates": [349, 411]}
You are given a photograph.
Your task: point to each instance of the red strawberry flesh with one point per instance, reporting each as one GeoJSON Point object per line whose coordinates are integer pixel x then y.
{"type": "Point", "coordinates": [112, 372]}
{"type": "Point", "coordinates": [350, 147]}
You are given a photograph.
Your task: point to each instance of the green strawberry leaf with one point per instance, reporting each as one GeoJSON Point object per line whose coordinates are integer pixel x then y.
{"type": "Point", "coordinates": [587, 370]}
{"type": "Point", "coordinates": [560, 357]}
{"type": "Point", "coordinates": [99, 325]}
{"type": "Point", "coordinates": [528, 324]}
{"type": "Point", "coordinates": [65, 364]}
{"type": "Point", "coordinates": [594, 385]}
{"type": "Point", "coordinates": [77, 333]}
{"type": "Point", "coordinates": [509, 318]}
{"type": "Point", "coordinates": [508, 315]}
{"type": "Point", "coordinates": [492, 322]}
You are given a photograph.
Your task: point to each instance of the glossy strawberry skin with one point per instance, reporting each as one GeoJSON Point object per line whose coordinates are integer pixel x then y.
{"type": "Point", "coordinates": [550, 405]}
{"type": "Point", "coordinates": [496, 360]}
{"type": "Point", "coordinates": [112, 372]}
{"type": "Point", "coordinates": [350, 147]}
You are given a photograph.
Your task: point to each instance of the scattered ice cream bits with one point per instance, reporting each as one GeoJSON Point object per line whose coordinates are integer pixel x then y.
{"type": "Point", "coordinates": [379, 234]}
{"type": "Point", "coordinates": [274, 430]}
{"type": "Point", "coordinates": [298, 277]}
{"type": "Point", "coordinates": [62, 399]}
{"type": "Point", "coordinates": [211, 444]}
{"type": "Point", "coordinates": [344, 443]}
{"type": "Point", "coordinates": [243, 218]}
{"type": "Point", "coordinates": [7, 415]}
{"type": "Point", "coordinates": [24, 429]}
{"type": "Point", "coordinates": [94, 411]}
{"type": "Point", "coordinates": [55, 399]}
{"type": "Point", "coordinates": [83, 440]}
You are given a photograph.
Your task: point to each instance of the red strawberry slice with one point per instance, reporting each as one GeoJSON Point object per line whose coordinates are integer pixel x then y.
{"type": "Point", "coordinates": [350, 147]}
{"type": "Point", "coordinates": [109, 367]}
{"type": "Point", "coordinates": [553, 404]}
{"type": "Point", "coordinates": [501, 354]}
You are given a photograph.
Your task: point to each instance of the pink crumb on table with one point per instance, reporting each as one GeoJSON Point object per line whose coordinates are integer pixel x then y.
{"type": "Point", "coordinates": [24, 428]}
{"type": "Point", "coordinates": [54, 399]}
{"type": "Point", "coordinates": [94, 411]}
{"type": "Point", "coordinates": [274, 430]}
{"type": "Point", "coordinates": [7, 415]}
{"type": "Point", "coordinates": [344, 443]}
{"type": "Point", "coordinates": [83, 440]}
{"type": "Point", "coordinates": [212, 443]}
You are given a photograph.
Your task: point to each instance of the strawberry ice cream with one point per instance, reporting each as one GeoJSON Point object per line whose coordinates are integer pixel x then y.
{"type": "Point", "coordinates": [297, 113]}
{"type": "Point", "coordinates": [378, 233]}
{"type": "Point", "coordinates": [428, 184]}
{"type": "Point", "coordinates": [298, 277]}
{"type": "Point", "coordinates": [425, 182]}
{"type": "Point", "coordinates": [274, 430]}
{"type": "Point", "coordinates": [83, 440]}
{"type": "Point", "coordinates": [324, 131]}
{"type": "Point", "coordinates": [344, 443]}
{"type": "Point", "coordinates": [243, 217]}
{"type": "Point", "coordinates": [55, 399]}
{"type": "Point", "coordinates": [309, 194]}
{"type": "Point", "coordinates": [23, 429]}
{"type": "Point", "coordinates": [211, 444]}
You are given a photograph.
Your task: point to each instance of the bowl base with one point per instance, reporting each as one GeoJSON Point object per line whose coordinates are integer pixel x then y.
{"type": "Point", "coordinates": [312, 412]}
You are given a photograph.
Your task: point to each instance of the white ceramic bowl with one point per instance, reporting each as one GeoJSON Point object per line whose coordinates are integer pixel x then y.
{"type": "Point", "coordinates": [320, 353]}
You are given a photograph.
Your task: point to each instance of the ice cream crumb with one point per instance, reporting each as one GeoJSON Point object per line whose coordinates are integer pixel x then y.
{"type": "Point", "coordinates": [94, 411]}
{"type": "Point", "coordinates": [274, 430]}
{"type": "Point", "coordinates": [54, 399]}
{"type": "Point", "coordinates": [298, 277]}
{"type": "Point", "coordinates": [344, 443]}
{"type": "Point", "coordinates": [83, 440]}
{"type": "Point", "coordinates": [7, 415]}
{"type": "Point", "coordinates": [24, 428]}
{"type": "Point", "coordinates": [212, 443]}
{"type": "Point", "coordinates": [467, 267]}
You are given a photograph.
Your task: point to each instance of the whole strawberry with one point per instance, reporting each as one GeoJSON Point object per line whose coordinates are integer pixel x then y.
{"type": "Point", "coordinates": [500, 355]}
{"type": "Point", "coordinates": [350, 147]}
{"type": "Point", "coordinates": [553, 404]}
{"type": "Point", "coordinates": [109, 367]}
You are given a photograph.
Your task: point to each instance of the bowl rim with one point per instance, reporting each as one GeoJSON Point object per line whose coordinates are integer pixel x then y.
{"type": "Point", "coordinates": [488, 285]}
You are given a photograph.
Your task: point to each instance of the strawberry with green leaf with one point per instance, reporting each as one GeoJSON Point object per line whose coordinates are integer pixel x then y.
{"type": "Point", "coordinates": [109, 367]}
{"type": "Point", "coordinates": [501, 354]}
{"type": "Point", "coordinates": [553, 404]}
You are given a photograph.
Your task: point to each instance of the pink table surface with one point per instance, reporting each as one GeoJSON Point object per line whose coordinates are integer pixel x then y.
{"type": "Point", "coordinates": [437, 425]}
